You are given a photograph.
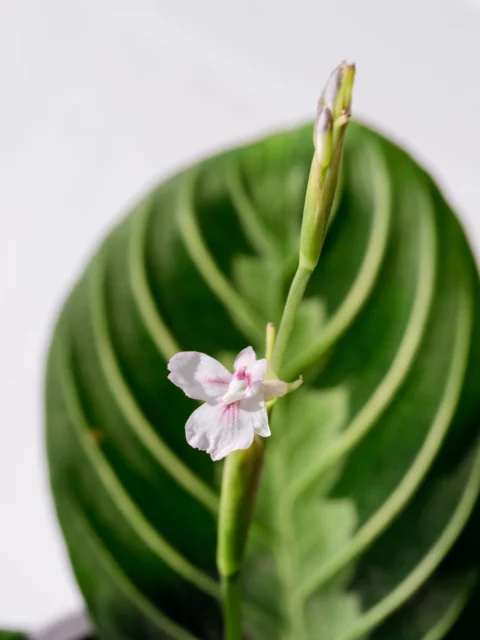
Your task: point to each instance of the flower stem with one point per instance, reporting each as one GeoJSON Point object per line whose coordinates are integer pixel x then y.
{"type": "Point", "coordinates": [232, 611]}
{"type": "Point", "coordinates": [329, 135]}
{"type": "Point", "coordinates": [242, 467]}
{"type": "Point", "coordinates": [239, 487]}
{"type": "Point", "coordinates": [294, 298]}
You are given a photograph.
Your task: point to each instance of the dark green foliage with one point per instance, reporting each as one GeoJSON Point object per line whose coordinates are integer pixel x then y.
{"type": "Point", "coordinates": [372, 470]}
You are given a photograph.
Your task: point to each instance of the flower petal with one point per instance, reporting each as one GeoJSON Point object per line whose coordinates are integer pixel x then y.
{"type": "Point", "coordinates": [255, 408]}
{"type": "Point", "coordinates": [198, 375]}
{"type": "Point", "coordinates": [273, 388]}
{"type": "Point", "coordinates": [245, 358]}
{"type": "Point", "coordinates": [219, 429]}
{"type": "Point", "coordinates": [259, 370]}
{"type": "Point", "coordinates": [257, 374]}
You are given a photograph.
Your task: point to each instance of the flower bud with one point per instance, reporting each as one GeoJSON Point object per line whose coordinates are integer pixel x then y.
{"type": "Point", "coordinates": [331, 90]}
{"type": "Point", "coordinates": [333, 113]}
{"type": "Point", "coordinates": [345, 95]}
{"type": "Point", "coordinates": [337, 94]}
{"type": "Point", "coordinates": [323, 136]}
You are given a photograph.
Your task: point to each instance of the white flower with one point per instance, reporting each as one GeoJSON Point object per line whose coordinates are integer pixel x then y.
{"type": "Point", "coordinates": [234, 408]}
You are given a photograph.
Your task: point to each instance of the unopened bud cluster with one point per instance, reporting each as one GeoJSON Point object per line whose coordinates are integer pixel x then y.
{"type": "Point", "coordinates": [333, 112]}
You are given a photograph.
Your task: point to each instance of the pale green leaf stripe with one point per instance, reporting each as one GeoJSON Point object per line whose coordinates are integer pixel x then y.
{"type": "Point", "coordinates": [395, 376]}
{"type": "Point", "coordinates": [148, 310]}
{"type": "Point", "coordinates": [117, 493]}
{"type": "Point", "coordinates": [399, 498]}
{"type": "Point", "coordinates": [182, 474]}
{"type": "Point", "coordinates": [126, 402]}
{"type": "Point", "coordinates": [252, 225]}
{"type": "Point", "coordinates": [162, 338]}
{"type": "Point", "coordinates": [451, 614]}
{"type": "Point", "coordinates": [369, 269]}
{"type": "Point", "coordinates": [242, 315]}
{"type": "Point", "coordinates": [416, 578]}
{"type": "Point", "coordinates": [122, 581]}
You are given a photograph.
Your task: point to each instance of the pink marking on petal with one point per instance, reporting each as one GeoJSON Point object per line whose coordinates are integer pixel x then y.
{"type": "Point", "coordinates": [243, 374]}
{"type": "Point", "coordinates": [228, 408]}
{"type": "Point", "coordinates": [216, 381]}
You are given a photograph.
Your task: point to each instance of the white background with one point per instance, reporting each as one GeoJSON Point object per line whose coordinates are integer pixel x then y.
{"type": "Point", "coordinates": [99, 98]}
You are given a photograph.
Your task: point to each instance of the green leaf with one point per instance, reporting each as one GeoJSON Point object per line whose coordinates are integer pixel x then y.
{"type": "Point", "coordinates": [11, 635]}
{"type": "Point", "coordinates": [363, 523]}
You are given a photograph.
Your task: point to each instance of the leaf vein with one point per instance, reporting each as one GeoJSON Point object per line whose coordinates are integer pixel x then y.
{"type": "Point", "coordinates": [119, 496]}
{"type": "Point", "coordinates": [421, 464]}
{"type": "Point", "coordinates": [242, 315]}
{"type": "Point", "coordinates": [126, 402]}
{"type": "Point", "coordinates": [366, 417]}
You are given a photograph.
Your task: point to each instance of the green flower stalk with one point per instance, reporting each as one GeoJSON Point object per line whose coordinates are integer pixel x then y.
{"type": "Point", "coordinates": [333, 115]}
{"type": "Point", "coordinates": [233, 420]}
{"type": "Point", "coordinates": [241, 476]}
